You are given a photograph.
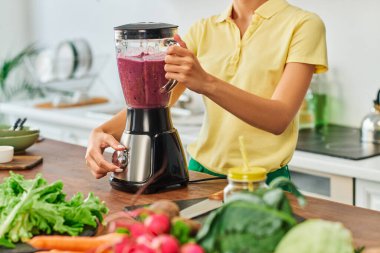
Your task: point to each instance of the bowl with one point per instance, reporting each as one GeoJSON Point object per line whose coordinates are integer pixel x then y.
{"type": "Point", "coordinates": [5, 131]}
{"type": "Point", "coordinates": [6, 154]}
{"type": "Point", "coordinates": [20, 143]}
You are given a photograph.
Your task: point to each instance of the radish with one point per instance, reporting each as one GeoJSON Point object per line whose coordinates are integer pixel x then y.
{"type": "Point", "coordinates": [158, 224]}
{"type": "Point", "coordinates": [165, 244]}
{"type": "Point", "coordinates": [141, 244]}
{"type": "Point", "coordinates": [138, 229]}
{"type": "Point", "coordinates": [191, 248]}
{"type": "Point", "coordinates": [145, 239]}
{"type": "Point", "coordinates": [120, 223]}
{"type": "Point", "coordinates": [123, 246]}
{"type": "Point", "coordinates": [141, 248]}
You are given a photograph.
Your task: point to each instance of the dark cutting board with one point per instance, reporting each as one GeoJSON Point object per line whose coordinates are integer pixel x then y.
{"type": "Point", "coordinates": [22, 162]}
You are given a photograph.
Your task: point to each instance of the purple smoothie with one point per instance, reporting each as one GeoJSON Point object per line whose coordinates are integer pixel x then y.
{"type": "Point", "coordinates": [141, 78]}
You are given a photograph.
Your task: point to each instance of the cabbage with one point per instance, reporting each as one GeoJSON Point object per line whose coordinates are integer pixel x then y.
{"type": "Point", "coordinates": [250, 222]}
{"type": "Point", "coordinates": [317, 236]}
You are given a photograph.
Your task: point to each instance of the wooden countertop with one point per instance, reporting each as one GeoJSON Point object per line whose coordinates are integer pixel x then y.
{"type": "Point", "coordinates": [66, 162]}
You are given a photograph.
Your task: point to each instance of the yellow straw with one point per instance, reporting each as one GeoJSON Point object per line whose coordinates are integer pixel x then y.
{"type": "Point", "coordinates": [243, 152]}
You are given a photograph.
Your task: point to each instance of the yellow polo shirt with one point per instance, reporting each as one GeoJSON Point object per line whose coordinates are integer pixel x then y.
{"type": "Point", "coordinates": [279, 33]}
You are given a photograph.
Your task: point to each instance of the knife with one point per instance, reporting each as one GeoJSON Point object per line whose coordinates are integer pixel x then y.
{"type": "Point", "coordinates": [213, 202]}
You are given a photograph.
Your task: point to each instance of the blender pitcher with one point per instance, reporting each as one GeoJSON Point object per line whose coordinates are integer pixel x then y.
{"type": "Point", "coordinates": [140, 58]}
{"type": "Point", "coordinates": [154, 158]}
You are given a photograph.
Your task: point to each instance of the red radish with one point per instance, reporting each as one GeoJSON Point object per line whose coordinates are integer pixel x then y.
{"type": "Point", "coordinates": [145, 239]}
{"type": "Point", "coordinates": [165, 244]}
{"type": "Point", "coordinates": [123, 246]}
{"type": "Point", "coordinates": [141, 248]}
{"type": "Point", "coordinates": [138, 229]}
{"type": "Point", "coordinates": [120, 223]}
{"type": "Point", "coordinates": [191, 248]}
{"type": "Point", "coordinates": [158, 224]}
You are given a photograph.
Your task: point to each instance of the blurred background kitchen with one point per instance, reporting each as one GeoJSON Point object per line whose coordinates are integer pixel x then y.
{"type": "Point", "coordinates": [352, 36]}
{"type": "Point", "coordinates": [350, 176]}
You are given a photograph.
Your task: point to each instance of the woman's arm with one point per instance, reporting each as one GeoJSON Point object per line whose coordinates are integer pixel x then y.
{"type": "Point", "coordinates": [272, 115]}
{"type": "Point", "coordinates": [115, 126]}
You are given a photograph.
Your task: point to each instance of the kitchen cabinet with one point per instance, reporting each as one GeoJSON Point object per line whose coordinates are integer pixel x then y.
{"type": "Point", "coordinates": [324, 185]}
{"type": "Point", "coordinates": [367, 194]}
{"type": "Point", "coordinates": [336, 178]}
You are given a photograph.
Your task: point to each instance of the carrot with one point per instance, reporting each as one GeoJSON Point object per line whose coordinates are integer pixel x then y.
{"type": "Point", "coordinates": [73, 243]}
{"type": "Point", "coordinates": [60, 251]}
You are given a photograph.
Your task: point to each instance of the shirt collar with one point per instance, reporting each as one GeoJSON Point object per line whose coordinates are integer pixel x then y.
{"type": "Point", "coordinates": [224, 15]}
{"type": "Point", "coordinates": [271, 7]}
{"type": "Point", "coordinates": [266, 10]}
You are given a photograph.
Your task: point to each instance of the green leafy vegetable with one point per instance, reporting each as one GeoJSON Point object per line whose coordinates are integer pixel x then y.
{"type": "Point", "coordinates": [317, 236]}
{"type": "Point", "coordinates": [359, 249]}
{"type": "Point", "coordinates": [31, 207]}
{"type": "Point", "coordinates": [250, 222]}
{"type": "Point", "coordinates": [181, 231]}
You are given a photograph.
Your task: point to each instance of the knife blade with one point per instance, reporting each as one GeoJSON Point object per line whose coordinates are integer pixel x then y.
{"type": "Point", "coordinates": [213, 202]}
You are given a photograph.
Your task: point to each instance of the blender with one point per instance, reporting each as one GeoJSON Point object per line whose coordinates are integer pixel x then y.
{"type": "Point", "coordinates": [154, 159]}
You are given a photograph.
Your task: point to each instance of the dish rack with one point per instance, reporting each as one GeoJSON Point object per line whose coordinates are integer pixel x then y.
{"type": "Point", "coordinates": [68, 79]}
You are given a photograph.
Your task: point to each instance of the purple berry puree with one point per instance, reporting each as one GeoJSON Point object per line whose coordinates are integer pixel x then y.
{"type": "Point", "coordinates": [141, 78]}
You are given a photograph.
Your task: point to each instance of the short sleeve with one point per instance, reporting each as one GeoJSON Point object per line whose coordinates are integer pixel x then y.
{"type": "Point", "coordinates": [193, 36]}
{"type": "Point", "coordinates": [308, 44]}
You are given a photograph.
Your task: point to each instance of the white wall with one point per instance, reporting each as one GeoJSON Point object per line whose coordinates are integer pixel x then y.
{"type": "Point", "coordinates": [353, 37]}
{"type": "Point", "coordinates": [62, 19]}
{"type": "Point", "coordinates": [14, 28]}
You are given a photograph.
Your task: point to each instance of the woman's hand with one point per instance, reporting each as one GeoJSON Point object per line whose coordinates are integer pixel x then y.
{"type": "Point", "coordinates": [98, 142]}
{"type": "Point", "coordinates": [183, 66]}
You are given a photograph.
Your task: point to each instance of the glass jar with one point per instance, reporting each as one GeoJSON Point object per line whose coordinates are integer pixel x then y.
{"type": "Point", "coordinates": [242, 180]}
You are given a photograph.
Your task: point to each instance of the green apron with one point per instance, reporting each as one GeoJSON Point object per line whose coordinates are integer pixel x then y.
{"type": "Point", "coordinates": [282, 172]}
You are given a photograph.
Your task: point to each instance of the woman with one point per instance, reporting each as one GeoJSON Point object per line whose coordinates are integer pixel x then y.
{"type": "Point", "coordinates": [253, 65]}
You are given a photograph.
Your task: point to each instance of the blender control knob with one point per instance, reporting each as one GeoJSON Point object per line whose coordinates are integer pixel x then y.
{"type": "Point", "coordinates": [120, 158]}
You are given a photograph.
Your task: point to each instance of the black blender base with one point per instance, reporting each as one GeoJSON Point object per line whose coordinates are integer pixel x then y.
{"type": "Point", "coordinates": [129, 187]}
{"type": "Point", "coordinates": [162, 158]}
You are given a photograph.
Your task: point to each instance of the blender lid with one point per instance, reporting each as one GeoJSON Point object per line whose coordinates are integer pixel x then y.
{"type": "Point", "coordinates": [145, 30]}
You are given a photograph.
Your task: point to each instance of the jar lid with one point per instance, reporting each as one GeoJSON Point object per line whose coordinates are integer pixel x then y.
{"type": "Point", "coordinates": [250, 174]}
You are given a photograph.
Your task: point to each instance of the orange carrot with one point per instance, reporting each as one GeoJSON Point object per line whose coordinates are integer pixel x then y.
{"type": "Point", "coordinates": [60, 251]}
{"type": "Point", "coordinates": [73, 243]}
